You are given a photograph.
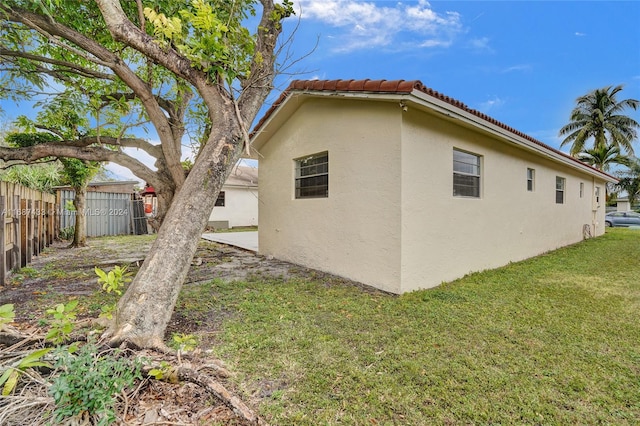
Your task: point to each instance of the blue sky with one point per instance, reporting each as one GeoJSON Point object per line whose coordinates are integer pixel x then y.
{"type": "Point", "coordinates": [521, 62]}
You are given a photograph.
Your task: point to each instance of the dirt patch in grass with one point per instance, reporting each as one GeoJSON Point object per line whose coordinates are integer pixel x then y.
{"type": "Point", "coordinates": [60, 273]}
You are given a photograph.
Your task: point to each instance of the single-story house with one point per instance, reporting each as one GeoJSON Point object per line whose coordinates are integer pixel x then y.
{"type": "Point", "coordinates": [397, 186]}
{"type": "Point", "coordinates": [237, 203]}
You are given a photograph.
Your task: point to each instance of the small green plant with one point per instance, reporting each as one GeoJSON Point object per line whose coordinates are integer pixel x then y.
{"type": "Point", "coordinates": [68, 205]}
{"type": "Point", "coordinates": [107, 311]}
{"type": "Point", "coordinates": [162, 371]}
{"type": "Point", "coordinates": [11, 375]}
{"type": "Point", "coordinates": [63, 321]}
{"type": "Point", "coordinates": [68, 232]}
{"type": "Point", "coordinates": [6, 314]}
{"type": "Point", "coordinates": [114, 280]}
{"type": "Point", "coordinates": [89, 382]}
{"type": "Point", "coordinates": [184, 342]}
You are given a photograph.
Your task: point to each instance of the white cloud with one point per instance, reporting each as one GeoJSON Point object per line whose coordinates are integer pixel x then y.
{"type": "Point", "coordinates": [480, 44]}
{"type": "Point", "coordinates": [369, 25]}
{"type": "Point", "coordinates": [579, 34]}
{"type": "Point", "coordinates": [492, 103]}
{"type": "Point", "coordinates": [520, 67]}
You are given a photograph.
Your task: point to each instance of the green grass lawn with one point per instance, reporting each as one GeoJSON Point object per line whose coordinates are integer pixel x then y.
{"type": "Point", "coordinates": [551, 340]}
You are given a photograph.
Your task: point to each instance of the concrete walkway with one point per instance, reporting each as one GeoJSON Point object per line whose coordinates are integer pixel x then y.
{"type": "Point", "coordinates": [247, 240]}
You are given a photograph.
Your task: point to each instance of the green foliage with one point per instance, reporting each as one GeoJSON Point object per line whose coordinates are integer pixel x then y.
{"type": "Point", "coordinates": [115, 280]}
{"type": "Point", "coordinates": [62, 324]}
{"type": "Point", "coordinates": [22, 140]}
{"type": "Point", "coordinates": [77, 173]}
{"type": "Point", "coordinates": [89, 381]}
{"type": "Point", "coordinates": [6, 314]}
{"type": "Point", "coordinates": [630, 181]}
{"type": "Point", "coordinates": [11, 375]}
{"type": "Point", "coordinates": [210, 34]}
{"type": "Point", "coordinates": [68, 232]}
{"type": "Point", "coordinates": [163, 371]}
{"type": "Point", "coordinates": [597, 117]}
{"type": "Point", "coordinates": [42, 177]}
{"type": "Point", "coordinates": [184, 342]}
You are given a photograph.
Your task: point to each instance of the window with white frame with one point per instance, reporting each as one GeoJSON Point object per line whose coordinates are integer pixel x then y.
{"type": "Point", "coordinates": [597, 194]}
{"type": "Point", "coordinates": [466, 174]}
{"type": "Point", "coordinates": [560, 185]}
{"type": "Point", "coordinates": [531, 180]}
{"type": "Point", "coordinates": [581, 189]}
{"type": "Point", "coordinates": [312, 176]}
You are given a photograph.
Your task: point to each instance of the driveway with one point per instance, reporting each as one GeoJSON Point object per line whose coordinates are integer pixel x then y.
{"type": "Point", "coordinates": [246, 240]}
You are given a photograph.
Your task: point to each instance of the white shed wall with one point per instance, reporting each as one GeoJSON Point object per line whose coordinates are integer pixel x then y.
{"type": "Point", "coordinates": [240, 209]}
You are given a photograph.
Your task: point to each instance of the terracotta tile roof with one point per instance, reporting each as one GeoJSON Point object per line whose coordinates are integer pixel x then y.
{"type": "Point", "coordinates": [399, 87]}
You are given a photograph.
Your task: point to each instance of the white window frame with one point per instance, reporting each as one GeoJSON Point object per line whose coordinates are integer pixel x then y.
{"type": "Point", "coordinates": [312, 176]}
{"type": "Point", "coordinates": [469, 171]}
{"type": "Point", "coordinates": [561, 185]}
{"type": "Point", "coordinates": [581, 189]}
{"type": "Point", "coordinates": [531, 179]}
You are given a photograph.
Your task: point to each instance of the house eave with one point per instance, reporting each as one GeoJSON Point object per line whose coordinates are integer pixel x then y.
{"type": "Point", "coordinates": [429, 104]}
{"type": "Point", "coordinates": [468, 119]}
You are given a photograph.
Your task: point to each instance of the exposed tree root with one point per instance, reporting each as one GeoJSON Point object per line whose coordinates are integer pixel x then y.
{"type": "Point", "coordinates": [30, 401]}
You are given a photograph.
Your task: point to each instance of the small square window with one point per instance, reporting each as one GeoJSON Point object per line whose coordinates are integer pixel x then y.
{"type": "Point", "coordinates": [312, 176]}
{"type": "Point", "coordinates": [220, 199]}
{"type": "Point", "coordinates": [531, 179]}
{"type": "Point", "coordinates": [560, 182]}
{"type": "Point", "coordinates": [466, 174]}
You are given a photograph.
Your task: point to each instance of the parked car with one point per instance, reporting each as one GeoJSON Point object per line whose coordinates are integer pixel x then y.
{"type": "Point", "coordinates": [622, 219]}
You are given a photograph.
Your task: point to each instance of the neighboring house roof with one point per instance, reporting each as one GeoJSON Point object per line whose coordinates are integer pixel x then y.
{"type": "Point", "coordinates": [413, 91]}
{"type": "Point", "coordinates": [243, 176]}
{"type": "Point", "coordinates": [122, 186]}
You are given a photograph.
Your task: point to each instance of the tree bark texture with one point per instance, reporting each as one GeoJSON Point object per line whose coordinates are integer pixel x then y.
{"type": "Point", "coordinates": [80, 231]}
{"type": "Point", "coordinates": [145, 309]}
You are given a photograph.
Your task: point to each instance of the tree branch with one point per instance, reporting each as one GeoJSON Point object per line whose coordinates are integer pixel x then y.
{"type": "Point", "coordinates": [172, 153]}
{"type": "Point", "coordinates": [34, 153]}
{"type": "Point", "coordinates": [72, 67]}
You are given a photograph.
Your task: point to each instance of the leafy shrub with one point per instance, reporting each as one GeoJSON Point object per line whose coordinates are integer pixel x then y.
{"type": "Point", "coordinates": [89, 382]}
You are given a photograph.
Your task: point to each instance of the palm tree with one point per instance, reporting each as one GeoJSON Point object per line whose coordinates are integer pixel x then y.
{"type": "Point", "coordinates": [603, 157]}
{"type": "Point", "coordinates": [597, 115]}
{"type": "Point", "coordinates": [629, 181]}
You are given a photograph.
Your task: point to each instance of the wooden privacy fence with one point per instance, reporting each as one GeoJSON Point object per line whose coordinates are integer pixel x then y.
{"type": "Point", "coordinates": [29, 225]}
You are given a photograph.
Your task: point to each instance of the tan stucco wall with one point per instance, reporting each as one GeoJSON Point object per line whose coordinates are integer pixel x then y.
{"type": "Point", "coordinates": [390, 220]}
{"type": "Point", "coordinates": [240, 209]}
{"type": "Point", "coordinates": [355, 232]}
{"type": "Point", "coordinates": [445, 237]}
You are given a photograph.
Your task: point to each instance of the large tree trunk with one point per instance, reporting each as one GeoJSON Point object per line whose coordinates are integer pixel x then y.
{"type": "Point", "coordinates": [79, 203]}
{"type": "Point", "coordinates": [145, 309]}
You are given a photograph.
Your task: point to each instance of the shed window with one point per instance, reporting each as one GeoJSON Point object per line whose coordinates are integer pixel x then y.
{"type": "Point", "coordinates": [581, 189]}
{"type": "Point", "coordinates": [312, 176]}
{"type": "Point", "coordinates": [220, 199]}
{"type": "Point", "coordinates": [466, 174]}
{"type": "Point", "coordinates": [560, 182]}
{"type": "Point", "coordinates": [531, 177]}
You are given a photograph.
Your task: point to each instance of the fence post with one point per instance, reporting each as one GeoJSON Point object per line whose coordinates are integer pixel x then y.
{"type": "Point", "coordinates": [16, 257]}
{"type": "Point", "coordinates": [3, 262]}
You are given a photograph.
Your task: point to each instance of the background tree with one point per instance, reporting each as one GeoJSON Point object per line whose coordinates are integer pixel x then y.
{"type": "Point", "coordinates": [629, 181]}
{"type": "Point", "coordinates": [603, 157]}
{"type": "Point", "coordinates": [597, 116]}
{"type": "Point", "coordinates": [136, 48]}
